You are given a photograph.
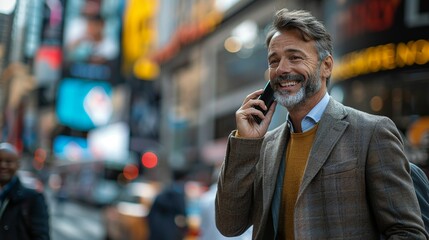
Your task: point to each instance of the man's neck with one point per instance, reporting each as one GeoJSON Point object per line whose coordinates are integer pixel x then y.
{"type": "Point", "coordinates": [298, 112]}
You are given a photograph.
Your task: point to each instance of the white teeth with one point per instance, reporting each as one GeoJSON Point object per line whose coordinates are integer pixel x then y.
{"type": "Point", "coordinates": [288, 84]}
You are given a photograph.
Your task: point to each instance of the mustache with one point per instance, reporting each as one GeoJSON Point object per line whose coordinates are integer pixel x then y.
{"type": "Point", "coordinates": [293, 77]}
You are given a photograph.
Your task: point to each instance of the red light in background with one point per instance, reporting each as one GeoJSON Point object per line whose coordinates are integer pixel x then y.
{"type": "Point", "coordinates": [149, 160]}
{"type": "Point", "coordinates": [131, 172]}
{"type": "Point", "coordinates": [51, 55]}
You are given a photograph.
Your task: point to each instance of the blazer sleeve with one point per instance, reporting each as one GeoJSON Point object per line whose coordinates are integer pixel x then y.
{"type": "Point", "coordinates": [233, 205]}
{"type": "Point", "coordinates": [390, 188]}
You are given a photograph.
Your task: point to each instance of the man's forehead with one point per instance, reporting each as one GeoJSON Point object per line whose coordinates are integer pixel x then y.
{"type": "Point", "coordinates": [294, 39]}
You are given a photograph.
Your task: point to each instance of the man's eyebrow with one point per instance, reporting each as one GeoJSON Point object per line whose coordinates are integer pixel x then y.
{"type": "Point", "coordinates": [271, 54]}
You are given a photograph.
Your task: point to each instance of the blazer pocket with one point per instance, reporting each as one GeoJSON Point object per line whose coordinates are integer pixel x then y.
{"type": "Point", "coordinates": [339, 167]}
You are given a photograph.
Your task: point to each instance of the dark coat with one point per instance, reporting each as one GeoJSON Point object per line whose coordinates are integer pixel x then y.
{"type": "Point", "coordinates": [167, 217]}
{"type": "Point", "coordinates": [421, 184]}
{"type": "Point", "coordinates": [25, 215]}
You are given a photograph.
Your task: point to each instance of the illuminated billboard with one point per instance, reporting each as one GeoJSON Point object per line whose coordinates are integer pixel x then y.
{"type": "Point", "coordinates": [92, 39]}
{"type": "Point", "coordinates": [378, 35]}
{"type": "Point", "coordinates": [84, 104]}
{"type": "Point", "coordinates": [71, 148]}
{"type": "Point", "coordinates": [108, 143]}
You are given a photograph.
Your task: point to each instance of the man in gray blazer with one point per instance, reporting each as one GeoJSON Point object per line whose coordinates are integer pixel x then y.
{"type": "Point", "coordinates": [330, 171]}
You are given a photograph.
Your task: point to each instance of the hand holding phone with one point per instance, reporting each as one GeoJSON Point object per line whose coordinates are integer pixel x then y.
{"type": "Point", "coordinates": [268, 97]}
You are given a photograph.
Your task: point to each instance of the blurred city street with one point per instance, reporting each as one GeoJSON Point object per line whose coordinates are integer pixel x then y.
{"type": "Point", "coordinates": [107, 101]}
{"type": "Point", "coordinates": [74, 221]}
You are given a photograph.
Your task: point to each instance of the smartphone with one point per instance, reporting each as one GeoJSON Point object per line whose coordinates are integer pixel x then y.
{"type": "Point", "coordinates": [268, 97]}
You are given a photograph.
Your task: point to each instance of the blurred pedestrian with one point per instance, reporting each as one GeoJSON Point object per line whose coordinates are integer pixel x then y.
{"type": "Point", "coordinates": [330, 171]}
{"type": "Point", "coordinates": [23, 211]}
{"type": "Point", "coordinates": [61, 195]}
{"type": "Point", "coordinates": [167, 217]}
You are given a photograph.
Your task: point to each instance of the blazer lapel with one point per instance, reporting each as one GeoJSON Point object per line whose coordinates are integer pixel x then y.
{"type": "Point", "coordinates": [275, 151]}
{"type": "Point", "coordinates": [331, 127]}
{"type": "Point", "coordinates": [273, 174]}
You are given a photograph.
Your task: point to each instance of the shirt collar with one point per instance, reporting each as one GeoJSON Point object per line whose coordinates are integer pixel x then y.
{"type": "Point", "coordinates": [312, 117]}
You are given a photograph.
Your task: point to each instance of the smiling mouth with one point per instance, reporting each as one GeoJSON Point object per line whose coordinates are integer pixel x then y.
{"type": "Point", "coordinates": [288, 83]}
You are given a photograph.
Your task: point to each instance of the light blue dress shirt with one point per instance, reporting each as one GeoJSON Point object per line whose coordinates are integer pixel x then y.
{"type": "Point", "coordinates": [313, 117]}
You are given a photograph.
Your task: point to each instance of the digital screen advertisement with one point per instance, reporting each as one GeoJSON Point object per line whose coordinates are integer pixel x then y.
{"type": "Point", "coordinates": [84, 104]}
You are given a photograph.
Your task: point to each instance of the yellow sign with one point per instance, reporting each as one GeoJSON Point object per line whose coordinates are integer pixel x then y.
{"type": "Point", "coordinates": [146, 69]}
{"type": "Point", "coordinates": [381, 58]}
{"type": "Point", "coordinates": [139, 31]}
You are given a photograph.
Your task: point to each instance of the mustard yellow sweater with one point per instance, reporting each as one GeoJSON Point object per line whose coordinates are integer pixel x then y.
{"type": "Point", "coordinates": [297, 152]}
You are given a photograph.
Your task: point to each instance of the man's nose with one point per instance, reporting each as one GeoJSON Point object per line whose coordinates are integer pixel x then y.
{"type": "Point", "coordinates": [284, 67]}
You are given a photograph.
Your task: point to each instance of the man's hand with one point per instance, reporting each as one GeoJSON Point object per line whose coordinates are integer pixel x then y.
{"type": "Point", "coordinates": [246, 125]}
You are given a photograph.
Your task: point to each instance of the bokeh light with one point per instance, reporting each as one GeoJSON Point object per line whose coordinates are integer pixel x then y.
{"type": "Point", "coordinates": [149, 160]}
{"type": "Point", "coordinates": [376, 103]}
{"type": "Point", "coordinates": [131, 171]}
{"type": "Point", "coordinates": [232, 44]}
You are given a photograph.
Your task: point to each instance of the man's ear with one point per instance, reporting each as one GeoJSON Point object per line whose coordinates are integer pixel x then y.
{"type": "Point", "coordinates": [326, 67]}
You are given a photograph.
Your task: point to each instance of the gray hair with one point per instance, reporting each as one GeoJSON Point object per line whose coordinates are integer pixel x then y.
{"type": "Point", "coordinates": [9, 148]}
{"type": "Point", "coordinates": [307, 24]}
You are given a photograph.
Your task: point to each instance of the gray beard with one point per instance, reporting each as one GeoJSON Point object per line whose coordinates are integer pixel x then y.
{"type": "Point", "coordinates": [290, 101]}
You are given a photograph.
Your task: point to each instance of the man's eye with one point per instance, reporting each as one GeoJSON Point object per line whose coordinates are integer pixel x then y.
{"type": "Point", "coordinates": [273, 63]}
{"type": "Point", "coordinates": [295, 58]}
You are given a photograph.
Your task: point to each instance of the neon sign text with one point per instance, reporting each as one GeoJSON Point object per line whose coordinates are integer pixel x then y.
{"type": "Point", "coordinates": [381, 58]}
